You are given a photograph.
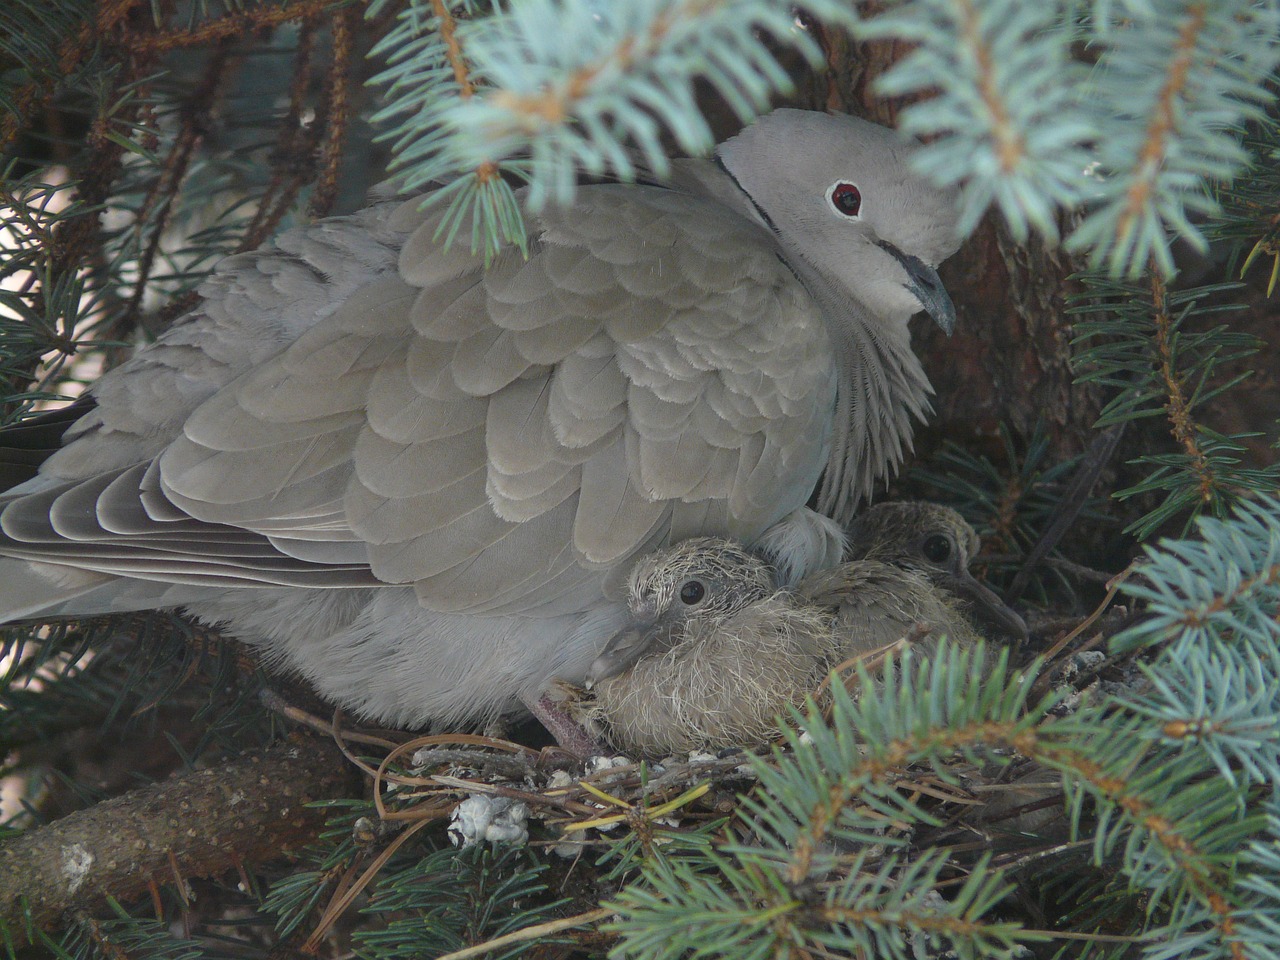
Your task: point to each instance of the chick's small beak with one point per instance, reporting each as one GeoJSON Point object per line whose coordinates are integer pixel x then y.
{"type": "Point", "coordinates": [924, 282]}
{"type": "Point", "coordinates": [987, 608]}
{"type": "Point", "coordinates": [625, 648]}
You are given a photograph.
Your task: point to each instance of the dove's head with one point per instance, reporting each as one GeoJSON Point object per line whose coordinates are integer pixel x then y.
{"type": "Point", "coordinates": [704, 580]}
{"type": "Point", "coordinates": [937, 542]}
{"type": "Point", "coordinates": [840, 195]}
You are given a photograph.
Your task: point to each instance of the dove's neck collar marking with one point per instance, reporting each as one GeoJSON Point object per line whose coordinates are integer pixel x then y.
{"type": "Point", "coordinates": [764, 217]}
{"type": "Point", "coordinates": [880, 385]}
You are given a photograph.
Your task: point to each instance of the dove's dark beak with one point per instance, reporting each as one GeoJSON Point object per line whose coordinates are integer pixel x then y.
{"type": "Point", "coordinates": [987, 608]}
{"type": "Point", "coordinates": [925, 283]}
{"type": "Point", "coordinates": [626, 647]}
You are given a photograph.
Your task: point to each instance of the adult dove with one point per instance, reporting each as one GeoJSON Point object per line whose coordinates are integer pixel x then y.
{"type": "Point", "coordinates": [418, 481]}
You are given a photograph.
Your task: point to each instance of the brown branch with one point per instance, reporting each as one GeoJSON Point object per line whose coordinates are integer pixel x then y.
{"type": "Point", "coordinates": [1164, 120]}
{"type": "Point", "coordinates": [72, 52]}
{"type": "Point", "coordinates": [453, 49]}
{"type": "Point", "coordinates": [233, 25]}
{"type": "Point", "coordinates": [247, 810]}
{"type": "Point", "coordinates": [174, 170]}
{"type": "Point", "coordinates": [338, 112]}
{"type": "Point", "coordinates": [488, 170]}
{"type": "Point", "coordinates": [293, 159]}
{"type": "Point", "coordinates": [1178, 408]}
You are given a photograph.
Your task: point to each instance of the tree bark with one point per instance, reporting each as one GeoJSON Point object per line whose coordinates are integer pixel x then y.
{"type": "Point", "coordinates": [249, 810]}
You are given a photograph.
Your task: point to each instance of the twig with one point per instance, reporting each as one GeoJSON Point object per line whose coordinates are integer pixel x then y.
{"type": "Point", "coordinates": [293, 159]}
{"type": "Point", "coordinates": [276, 703]}
{"type": "Point", "coordinates": [167, 184]}
{"type": "Point", "coordinates": [1112, 587]}
{"type": "Point", "coordinates": [237, 24]}
{"type": "Point", "coordinates": [488, 170]}
{"type": "Point", "coordinates": [1072, 501]}
{"type": "Point", "coordinates": [342, 900]}
{"type": "Point", "coordinates": [1178, 408]}
{"type": "Point", "coordinates": [71, 54]}
{"type": "Point", "coordinates": [530, 933]}
{"type": "Point", "coordinates": [338, 113]}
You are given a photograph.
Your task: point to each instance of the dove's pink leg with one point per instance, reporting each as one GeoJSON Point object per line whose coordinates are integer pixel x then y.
{"type": "Point", "coordinates": [567, 731]}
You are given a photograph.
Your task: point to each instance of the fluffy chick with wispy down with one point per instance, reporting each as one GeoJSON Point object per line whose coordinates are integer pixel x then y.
{"type": "Point", "coordinates": [713, 653]}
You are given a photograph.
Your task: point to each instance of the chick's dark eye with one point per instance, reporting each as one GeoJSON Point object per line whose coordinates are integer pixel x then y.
{"type": "Point", "coordinates": [692, 591]}
{"type": "Point", "coordinates": [846, 198]}
{"type": "Point", "coordinates": [937, 548]}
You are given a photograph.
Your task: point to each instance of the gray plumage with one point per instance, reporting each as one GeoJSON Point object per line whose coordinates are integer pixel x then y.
{"type": "Point", "coordinates": [418, 482]}
{"type": "Point", "coordinates": [875, 604]}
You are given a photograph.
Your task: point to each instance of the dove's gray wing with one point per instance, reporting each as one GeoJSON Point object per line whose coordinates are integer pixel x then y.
{"type": "Point", "coordinates": [497, 438]}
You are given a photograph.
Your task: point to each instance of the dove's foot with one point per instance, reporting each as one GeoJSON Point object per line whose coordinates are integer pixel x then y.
{"type": "Point", "coordinates": [567, 731]}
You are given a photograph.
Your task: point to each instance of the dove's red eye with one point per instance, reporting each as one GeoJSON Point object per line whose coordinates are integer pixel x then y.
{"type": "Point", "coordinates": [845, 198]}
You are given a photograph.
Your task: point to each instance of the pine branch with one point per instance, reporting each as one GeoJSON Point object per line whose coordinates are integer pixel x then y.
{"type": "Point", "coordinates": [1019, 120]}
{"type": "Point", "coordinates": [1223, 584]}
{"type": "Point", "coordinates": [1160, 127]}
{"type": "Point", "coordinates": [1177, 408]}
{"type": "Point", "coordinates": [238, 24]}
{"type": "Point", "coordinates": [1003, 112]}
{"type": "Point", "coordinates": [1144, 346]}
{"type": "Point", "coordinates": [72, 53]}
{"type": "Point", "coordinates": [546, 88]}
{"type": "Point", "coordinates": [246, 811]}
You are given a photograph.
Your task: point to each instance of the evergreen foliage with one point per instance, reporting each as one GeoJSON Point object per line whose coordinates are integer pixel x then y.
{"type": "Point", "coordinates": [140, 143]}
{"type": "Point", "coordinates": [1147, 346]}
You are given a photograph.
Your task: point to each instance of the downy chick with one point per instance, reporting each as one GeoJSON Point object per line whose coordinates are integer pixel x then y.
{"type": "Point", "coordinates": [713, 652]}
{"type": "Point", "coordinates": [937, 542]}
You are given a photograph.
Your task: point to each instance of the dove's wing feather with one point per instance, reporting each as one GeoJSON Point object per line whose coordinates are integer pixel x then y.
{"type": "Point", "coordinates": [254, 304]}
{"type": "Point", "coordinates": [497, 438]}
{"type": "Point", "coordinates": [602, 365]}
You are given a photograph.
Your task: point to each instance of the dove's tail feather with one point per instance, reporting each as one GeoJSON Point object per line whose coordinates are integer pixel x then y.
{"type": "Point", "coordinates": [30, 589]}
{"type": "Point", "coordinates": [41, 589]}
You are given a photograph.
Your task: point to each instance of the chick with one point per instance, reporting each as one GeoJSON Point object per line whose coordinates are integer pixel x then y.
{"type": "Point", "coordinates": [874, 604]}
{"type": "Point", "coordinates": [936, 541]}
{"type": "Point", "coordinates": [713, 654]}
